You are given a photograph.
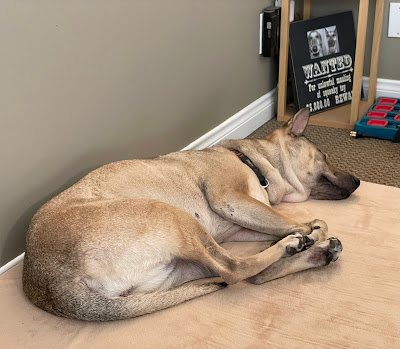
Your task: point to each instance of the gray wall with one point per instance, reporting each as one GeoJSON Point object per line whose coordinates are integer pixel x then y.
{"type": "Point", "coordinates": [390, 47]}
{"type": "Point", "coordinates": [85, 83]}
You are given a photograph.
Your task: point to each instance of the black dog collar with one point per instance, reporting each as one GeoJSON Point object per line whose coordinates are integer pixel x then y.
{"type": "Point", "coordinates": [263, 181]}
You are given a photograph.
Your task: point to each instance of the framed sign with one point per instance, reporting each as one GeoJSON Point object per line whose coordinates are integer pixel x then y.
{"type": "Point", "coordinates": [322, 52]}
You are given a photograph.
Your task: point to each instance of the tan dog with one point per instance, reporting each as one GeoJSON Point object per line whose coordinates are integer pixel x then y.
{"type": "Point", "coordinates": [134, 237]}
{"type": "Point", "coordinates": [315, 44]}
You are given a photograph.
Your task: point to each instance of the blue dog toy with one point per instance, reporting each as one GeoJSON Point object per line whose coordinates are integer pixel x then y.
{"type": "Point", "coordinates": [381, 121]}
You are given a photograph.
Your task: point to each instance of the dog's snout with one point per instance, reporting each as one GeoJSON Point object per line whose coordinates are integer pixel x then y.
{"type": "Point", "coordinates": [356, 181]}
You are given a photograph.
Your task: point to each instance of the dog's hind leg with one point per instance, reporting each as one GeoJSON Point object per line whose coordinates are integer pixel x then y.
{"type": "Point", "coordinates": [319, 255]}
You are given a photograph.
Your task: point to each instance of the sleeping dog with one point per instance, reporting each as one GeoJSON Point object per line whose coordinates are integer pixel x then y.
{"type": "Point", "coordinates": [134, 237]}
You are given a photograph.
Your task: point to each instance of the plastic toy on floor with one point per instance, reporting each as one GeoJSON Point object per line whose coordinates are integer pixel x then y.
{"type": "Point", "coordinates": [382, 120]}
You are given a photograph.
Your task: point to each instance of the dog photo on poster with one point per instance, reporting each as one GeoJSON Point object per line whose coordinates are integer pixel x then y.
{"type": "Point", "coordinates": [322, 52]}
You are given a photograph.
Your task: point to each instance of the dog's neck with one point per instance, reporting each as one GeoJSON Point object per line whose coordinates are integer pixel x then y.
{"type": "Point", "coordinates": [246, 160]}
{"type": "Point", "coordinates": [254, 150]}
{"type": "Point", "coordinates": [282, 180]}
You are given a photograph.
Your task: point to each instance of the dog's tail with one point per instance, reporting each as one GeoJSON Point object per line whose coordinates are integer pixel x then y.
{"type": "Point", "coordinates": [74, 300]}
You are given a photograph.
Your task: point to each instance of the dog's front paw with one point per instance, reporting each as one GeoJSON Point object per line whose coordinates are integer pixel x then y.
{"type": "Point", "coordinates": [318, 224]}
{"type": "Point", "coordinates": [319, 231]}
{"type": "Point", "coordinates": [326, 252]}
{"type": "Point", "coordinates": [292, 244]}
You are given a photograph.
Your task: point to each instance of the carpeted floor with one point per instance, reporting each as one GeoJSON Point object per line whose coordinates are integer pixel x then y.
{"type": "Point", "coordinates": [371, 160]}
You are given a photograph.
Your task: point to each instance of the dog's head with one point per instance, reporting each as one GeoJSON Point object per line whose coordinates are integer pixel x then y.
{"type": "Point", "coordinates": [305, 168]}
{"type": "Point", "coordinates": [331, 36]}
{"type": "Point", "coordinates": [315, 43]}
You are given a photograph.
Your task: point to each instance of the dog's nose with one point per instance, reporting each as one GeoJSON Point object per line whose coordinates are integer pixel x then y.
{"type": "Point", "coordinates": [356, 181]}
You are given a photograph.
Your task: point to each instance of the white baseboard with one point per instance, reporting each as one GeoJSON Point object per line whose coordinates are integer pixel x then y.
{"type": "Point", "coordinates": [12, 263]}
{"type": "Point", "coordinates": [238, 126]}
{"type": "Point", "coordinates": [241, 124]}
{"type": "Point", "coordinates": [384, 87]}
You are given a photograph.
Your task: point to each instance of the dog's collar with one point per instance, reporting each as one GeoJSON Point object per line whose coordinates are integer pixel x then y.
{"type": "Point", "coordinates": [263, 181]}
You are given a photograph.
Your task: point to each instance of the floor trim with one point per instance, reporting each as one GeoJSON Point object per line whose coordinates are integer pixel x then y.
{"type": "Point", "coordinates": [12, 263]}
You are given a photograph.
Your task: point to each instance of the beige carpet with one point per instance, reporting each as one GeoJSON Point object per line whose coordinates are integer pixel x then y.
{"type": "Point", "coordinates": [371, 160]}
{"type": "Point", "coordinates": [352, 303]}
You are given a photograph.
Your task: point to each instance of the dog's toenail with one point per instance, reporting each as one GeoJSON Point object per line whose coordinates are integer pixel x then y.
{"type": "Point", "coordinates": [307, 239]}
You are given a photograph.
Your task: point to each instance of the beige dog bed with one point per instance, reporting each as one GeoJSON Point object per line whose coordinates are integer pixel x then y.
{"type": "Point", "coordinates": [353, 303]}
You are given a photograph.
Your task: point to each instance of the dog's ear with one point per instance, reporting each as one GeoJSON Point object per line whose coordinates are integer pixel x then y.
{"type": "Point", "coordinates": [297, 124]}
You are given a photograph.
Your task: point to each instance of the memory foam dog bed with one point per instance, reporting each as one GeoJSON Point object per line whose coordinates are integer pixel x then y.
{"type": "Point", "coordinates": [353, 303]}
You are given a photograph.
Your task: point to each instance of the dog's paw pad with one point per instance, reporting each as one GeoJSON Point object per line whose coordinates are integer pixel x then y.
{"type": "Point", "coordinates": [294, 244]}
{"type": "Point", "coordinates": [290, 251]}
